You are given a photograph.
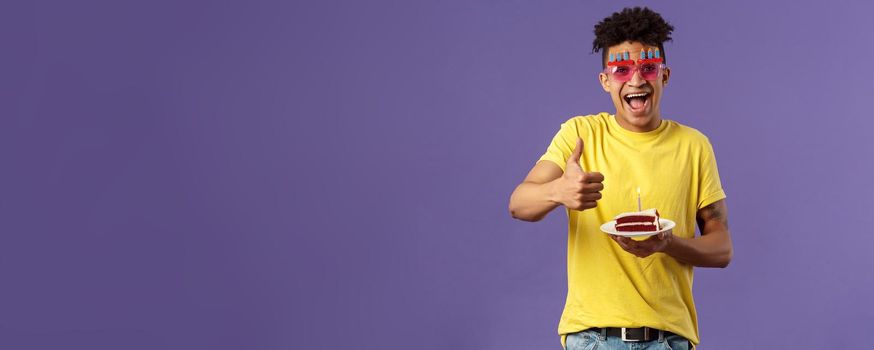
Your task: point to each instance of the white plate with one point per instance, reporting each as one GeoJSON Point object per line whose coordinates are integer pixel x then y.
{"type": "Point", "coordinates": [610, 227]}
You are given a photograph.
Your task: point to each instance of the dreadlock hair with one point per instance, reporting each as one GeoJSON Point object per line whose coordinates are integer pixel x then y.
{"type": "Point", "coordinates": [632, 24]}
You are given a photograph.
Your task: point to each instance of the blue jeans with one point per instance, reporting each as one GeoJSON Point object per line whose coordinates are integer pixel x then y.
{"type": "Point", "coordinates": [592, 340]}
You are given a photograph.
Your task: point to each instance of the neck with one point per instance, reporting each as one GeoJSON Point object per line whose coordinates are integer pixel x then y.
{"type": "Point", "coordinates": [654, 121]}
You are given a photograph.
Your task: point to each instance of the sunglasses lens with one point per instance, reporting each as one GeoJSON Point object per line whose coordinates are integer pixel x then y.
{"type": "Point", "coordinates": [649, 71]}
{"type": "Point", "coordinates": [622, 73]}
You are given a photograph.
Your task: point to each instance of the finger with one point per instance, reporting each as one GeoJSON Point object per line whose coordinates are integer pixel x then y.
{"type": "Point", "coordinates": [594, 177]}
{"type": "Point", "coordinates": [592, 187]}
{"type": "Point", "coordinates": [591, 197]}
{"type": "Point", "coordinates": [661, 236]}
{"type": "Point", "coordinates": [619, 241]}
{"type": "Point", "coordinates": [587, 204]}
{"type": "Point", "coordinates": [630, 243]}
{"type": "Point", "coordinates": [576, 154]}
{"type": "Point", "coordinates": [623, 243]}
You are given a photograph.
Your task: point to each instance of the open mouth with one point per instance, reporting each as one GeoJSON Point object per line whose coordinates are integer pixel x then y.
{"type": "Point", "coordinates": [637, 101]}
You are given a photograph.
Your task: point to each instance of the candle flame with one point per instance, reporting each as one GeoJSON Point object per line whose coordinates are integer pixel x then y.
{"type": "Point", "coordinates": [638, 190]}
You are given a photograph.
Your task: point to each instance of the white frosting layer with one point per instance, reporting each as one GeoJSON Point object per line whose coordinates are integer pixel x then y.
{"type": "Point", "coordinates": [648, 212]}
{"type": "Point", "coordinates": [637, 224]}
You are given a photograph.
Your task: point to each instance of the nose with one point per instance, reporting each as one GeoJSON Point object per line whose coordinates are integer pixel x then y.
{"type": "Point", "coordinates": [636, 79]}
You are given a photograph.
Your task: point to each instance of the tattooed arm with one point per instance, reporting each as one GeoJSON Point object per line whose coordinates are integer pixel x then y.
{"type": "Point", "coordinates": [711, 249]}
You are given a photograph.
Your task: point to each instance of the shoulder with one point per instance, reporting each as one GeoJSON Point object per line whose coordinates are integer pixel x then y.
{"type": "Point", "coordinates": [689, 134]}
{"type": "Point", "coordinates": [591, 121]}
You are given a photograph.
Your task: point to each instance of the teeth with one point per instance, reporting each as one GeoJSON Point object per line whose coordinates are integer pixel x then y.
{"type": "Point", "coordinates": [636, 95]}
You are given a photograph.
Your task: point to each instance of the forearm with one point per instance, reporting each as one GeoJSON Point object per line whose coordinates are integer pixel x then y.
{"type": "Point", "coordinates": [711, 250]}
{"type": "Point", "coordinates": [532, 201]}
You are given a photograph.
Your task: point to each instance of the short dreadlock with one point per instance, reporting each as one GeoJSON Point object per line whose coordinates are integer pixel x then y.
{"type": "Point", "coordinates": [632, 24]}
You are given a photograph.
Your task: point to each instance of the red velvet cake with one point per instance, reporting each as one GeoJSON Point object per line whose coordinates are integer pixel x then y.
{"type": "Point", "coordinates": [639, 221]}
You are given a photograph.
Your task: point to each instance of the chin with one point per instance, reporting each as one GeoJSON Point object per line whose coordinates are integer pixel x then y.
{"type": "Point", "coordinates": [638, 119]}
{"type": "Point", "coordinates": [641, 121]}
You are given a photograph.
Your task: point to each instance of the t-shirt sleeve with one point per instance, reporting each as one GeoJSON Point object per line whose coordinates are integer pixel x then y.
{"type": "Point", "coordinates": [709, 186]}
{"type": "Point", "coordinates": [562, 145]}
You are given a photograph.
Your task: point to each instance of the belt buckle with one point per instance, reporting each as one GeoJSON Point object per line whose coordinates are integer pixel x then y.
{"type": "Point", "coordinates": [625, 338]}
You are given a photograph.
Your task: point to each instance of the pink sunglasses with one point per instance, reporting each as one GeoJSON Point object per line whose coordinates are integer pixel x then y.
{"type": "Point", "coordinates": [624, 72]}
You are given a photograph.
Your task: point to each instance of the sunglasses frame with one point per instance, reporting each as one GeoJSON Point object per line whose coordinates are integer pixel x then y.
{"type": "Point", "coordinates": [635, 68]}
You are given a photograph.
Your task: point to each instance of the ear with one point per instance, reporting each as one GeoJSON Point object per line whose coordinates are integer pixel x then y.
{"type": "Point", "coordinates": [666, 76]}
{"type": "Point", "coordinates": [605, 81]}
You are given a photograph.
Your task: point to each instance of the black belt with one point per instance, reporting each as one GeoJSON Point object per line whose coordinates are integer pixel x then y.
{"type": "Point", "coordinates": [633, 334]}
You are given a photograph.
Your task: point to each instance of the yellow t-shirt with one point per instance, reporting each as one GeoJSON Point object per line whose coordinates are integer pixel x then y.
{"type": "Point", "coordinates": [675, 169]}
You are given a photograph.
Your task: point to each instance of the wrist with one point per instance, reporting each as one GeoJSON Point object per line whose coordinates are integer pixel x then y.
{"type": "Point", "coordinates": [670, 242]}
{"type": "Point", "coordinates": [551, 191]}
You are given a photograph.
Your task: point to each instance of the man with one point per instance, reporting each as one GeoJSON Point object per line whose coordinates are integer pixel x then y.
{"type": "Point", "coordinates": [622, 291]}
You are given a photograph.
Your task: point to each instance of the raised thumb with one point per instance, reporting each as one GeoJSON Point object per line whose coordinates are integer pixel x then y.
{"type": "Point", "coordinates": [574, 160]}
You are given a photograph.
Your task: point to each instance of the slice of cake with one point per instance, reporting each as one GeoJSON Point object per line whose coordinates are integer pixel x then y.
{"type": "Point", "coordinates": [639, 221]}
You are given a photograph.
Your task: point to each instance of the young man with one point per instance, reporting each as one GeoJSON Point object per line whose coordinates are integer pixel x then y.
{"type": "Point", "coordinates": [623, 291]}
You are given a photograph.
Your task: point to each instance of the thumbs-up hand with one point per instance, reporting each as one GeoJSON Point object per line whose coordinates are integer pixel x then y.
{"type": "Point", "coordinates": [578, 189]}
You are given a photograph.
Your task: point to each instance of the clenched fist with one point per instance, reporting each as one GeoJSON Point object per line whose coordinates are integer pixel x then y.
{"type": "Point", "coordinates": [578, 189]}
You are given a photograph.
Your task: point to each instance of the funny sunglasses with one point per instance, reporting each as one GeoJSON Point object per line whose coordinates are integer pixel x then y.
{"type": "Point", "coordinates": [621, 68]}
{"type": "Point", "coordinates": [624, 72]}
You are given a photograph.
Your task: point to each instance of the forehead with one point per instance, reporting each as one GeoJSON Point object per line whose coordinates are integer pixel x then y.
{"type": "Point", "coordinates": [630, 46]}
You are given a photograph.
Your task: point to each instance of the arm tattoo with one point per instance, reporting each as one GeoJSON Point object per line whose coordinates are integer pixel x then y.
{"type": "Point", "coordinates": [715, 211]}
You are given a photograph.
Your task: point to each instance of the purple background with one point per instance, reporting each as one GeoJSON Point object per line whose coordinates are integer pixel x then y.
{"type": "Point", "coordinates": [319, 175]}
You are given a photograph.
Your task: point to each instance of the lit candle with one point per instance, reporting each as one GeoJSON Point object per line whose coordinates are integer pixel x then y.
{"type": "Point", "coordinates": [638, 200]}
